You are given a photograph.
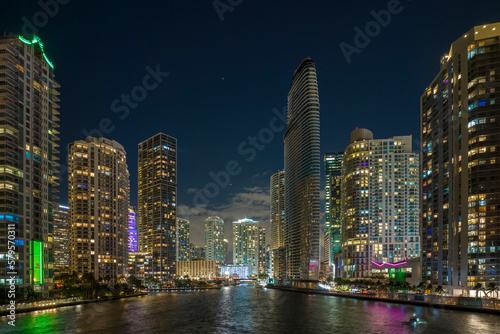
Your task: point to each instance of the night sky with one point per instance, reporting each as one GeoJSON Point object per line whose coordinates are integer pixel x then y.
{"type": "Point", "coordinates": [226, 77]}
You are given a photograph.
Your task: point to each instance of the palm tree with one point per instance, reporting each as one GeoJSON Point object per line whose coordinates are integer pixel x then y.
{"type": "Point", "coordinates": [478, 287]}
{"type": "Point", "coordinates": [492, 287]}
{"type": "Point", "coordinates": [420, 286]}
{"type": "Point", "coordinates": [439, 290]}
{"type": "Point", "coordinates": [429, 287]}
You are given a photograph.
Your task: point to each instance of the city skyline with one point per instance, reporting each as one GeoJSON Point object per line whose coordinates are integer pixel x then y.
{"type": "Point", "coordinates": [341, 115]}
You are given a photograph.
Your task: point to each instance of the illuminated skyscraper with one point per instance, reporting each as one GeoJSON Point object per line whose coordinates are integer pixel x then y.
{"type": "Point", "coordinates": [183, 248]}
{"type": "Point", "coordinates": [380, 204]}
{"type": "Point", "coordinates": [132, 230]}
{"type": "Point", "coordinates": [29, 108]}
{"type": "Point", "coordinates": [158, 202]}
{"type": "Point", "coordinates": [302, 181]}
{"type": "Point", "coordinates": [214, 239]}
{"type": "Point", "coordinates": [333, 224]}
{"type": "Point", "coordinates": [98, 193]}
{"type": "Point", "coordinates": [277, 209]}
{"type": "Point", "coordinates": [60, 234]}
{"type": "Point", "coordinates": [246, 243]}
{"type": "Point", "coordinates": [460, 123]}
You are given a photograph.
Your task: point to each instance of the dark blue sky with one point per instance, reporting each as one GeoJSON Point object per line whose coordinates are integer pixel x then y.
{"type": "Point", "coordinates": [227, 76]}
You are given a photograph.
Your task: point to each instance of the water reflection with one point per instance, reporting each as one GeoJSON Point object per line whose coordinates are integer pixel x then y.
{"type": "Point", "coordinates": [247, 310]}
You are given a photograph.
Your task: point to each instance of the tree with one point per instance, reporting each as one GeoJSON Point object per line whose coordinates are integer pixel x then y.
{"type": "Point", "coordinates": [31, 294]}
{"type": "Point", "coordinates": [429, 287]}
{"type": "Point", "coordinates": [492, 287]}
{"type": "Point", "coordinates": [89, 285]}
{"type": "Point", "coordinates": [134, 282]}
{"type": "Point", "coordinates": [439, 290]}
{"type": "Point", "coordinates": [263, 276]}
{"type": "Point", "coordinates": [329, 279]}
{"type": "Point", "coordinates": [478, 287]}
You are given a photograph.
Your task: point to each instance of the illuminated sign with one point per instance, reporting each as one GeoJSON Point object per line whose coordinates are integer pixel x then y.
{"type": "Point", "coordinates": [36, 262]}
{"type": "Point", "coordinates": [389, 264]}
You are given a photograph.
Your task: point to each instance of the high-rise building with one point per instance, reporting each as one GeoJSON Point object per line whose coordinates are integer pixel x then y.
{"type": "Point", "coordinates": [333, 223]}
{"type": "Point", "coordinates": [60, 234]}
{"type": "Point", "coordinates": [29, 108]}
{"type": "Point", "coordinates": [183, 248]}
{"type": "Point", "coordinates": [214, 239]}
{"type": "Point", "coordinates": [246, 243]}
{"type": "Point", "coordinates": [302, 181]}
{"type": "Point", "coordinates": [460, 134]}
{"type": "Point", "coordinates": [277, 209]}
{"type": "Point", "coordinates": [132, 230]}
{"type": "Point", "coordinates": [380, 204]}
{"type": "Point", "coordinates": [157, 207]}
{"type": "Point", "coordinates": [197, 252]}
{"type": "Point", "coordinates": [98, 193]}
{"type": "Point", "coordinates": [262, 250]}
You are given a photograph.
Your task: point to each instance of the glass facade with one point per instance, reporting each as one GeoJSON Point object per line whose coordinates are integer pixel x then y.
{"type": "Point", "coordinates": [132, 230]}
{"type": "Point", "coordinates": [157, 205]}
{"type": "Point", "coordinates": [214, 239]}
{"type": "Point", "coordinates": [61, 241]}
{"type": "Point", "coordinates": [460, 131]}
{"type": "Point", "coordinates": [333, 224]}
{"type": "Point", "coordinates": [277, 187]}
{"type": "Point", "coordinates": [183, 248]}
{"type": "Point", "coordinates": [302, 181]}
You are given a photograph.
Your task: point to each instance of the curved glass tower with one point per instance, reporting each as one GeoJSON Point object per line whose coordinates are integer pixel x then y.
{"type": "Point", "coordinates": [302, 182]}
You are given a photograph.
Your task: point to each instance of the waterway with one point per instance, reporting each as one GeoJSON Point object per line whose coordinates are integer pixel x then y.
{"type": "Point", "coordinates": [247, 310]}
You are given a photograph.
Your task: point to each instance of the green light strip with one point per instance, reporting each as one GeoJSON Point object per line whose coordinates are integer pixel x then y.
{"type": "Point", "coordinates": [34, 41]}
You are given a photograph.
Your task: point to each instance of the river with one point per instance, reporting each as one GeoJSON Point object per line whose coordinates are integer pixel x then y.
{"type": "Point", "coordinates": [247, 310]}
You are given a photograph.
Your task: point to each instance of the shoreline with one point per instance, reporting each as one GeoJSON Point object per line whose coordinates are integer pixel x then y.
{"type": "Point", "coordinates": [390, 300]}
{"type": "Point", "coordinates": [75, 303]}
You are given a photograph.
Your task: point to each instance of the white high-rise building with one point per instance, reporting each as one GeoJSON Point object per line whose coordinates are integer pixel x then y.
{"type": "Point", "coordinates": [214, 239]}
{"type": "Point", "coordinates": [380, 204]}
{"type": "Point", "coordinates": [246, 243]}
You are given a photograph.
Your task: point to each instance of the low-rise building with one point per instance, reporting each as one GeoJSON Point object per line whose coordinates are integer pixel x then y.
{"type": "Point", "coordinates": [198, 269]}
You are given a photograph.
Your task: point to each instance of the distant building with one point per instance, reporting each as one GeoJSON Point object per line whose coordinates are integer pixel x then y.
{"type": "Point", "coordinates": [333, 223]}
{"type": "Point", "coordinates": [157, 209]}
{"type": "Point", "coordinates": [380, 203]}
{"type": "Point", "coordinates": [277, 187]}
{"type": "Point", "coordinates": [61, 241]}
{"type": "Point", "coordinates": [302, 181]}
{"type": "Point", "coordinates": [198, 269]}
{"type": "Point", "coordinates": [236, 271]}
{"type": "Point", "coordinates": [140, 265]}
{"type": "Point", "coordinates": [262, 250]}
{"type": "Point", "coordinates": [460, 164]}
{"type": "Point", "coordinates": [246, 243]}
{"type": "Point", "coordinates": [214, 239]}
{"type": "Point", "coordinates": [132, 230]}
{"type": "Point", "coordinates": [98, 182]}
{"type": "Point", "coordinates": [196, 252]}
{"type": "Point", "coordinates": [183, 246]}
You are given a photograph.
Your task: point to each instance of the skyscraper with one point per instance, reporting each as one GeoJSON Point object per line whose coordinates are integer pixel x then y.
{"type": "Point", "coordinates": [460, 129]}
{"type": "Point", "coordinates": [157, 167]}
{"type": "Point", "coordinates": [132, 230]}
{"type": "Point", "coordinates": [29, 108]}
{"type": "Point", "coordinates": [246, 243]}
{"type": "Point", "coordinates": [380, 204]}
{"type": "Point", "coordinates": [277, 209]}
{"type": "Point", "coordinates": [183, 248]}
{"type": "Point", "coordinates": [302, 181]}
{"type": "Point", "coordinates": [333, 223]}
{"type": "Point", "coordinates": [98, 194]}
{"type": "Point", "coordinates": [214, 239]}
{"type": "Point", "coordinates": [60, 235]}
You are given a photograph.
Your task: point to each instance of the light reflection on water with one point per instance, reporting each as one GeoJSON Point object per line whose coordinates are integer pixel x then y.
{"type": "Point", "coordinates": [247, 310]}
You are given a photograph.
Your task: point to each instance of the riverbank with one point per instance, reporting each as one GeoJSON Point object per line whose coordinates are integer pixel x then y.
{"type": "Point", "coordinates": [445, 302]}
{"type": "Point", "coordinates": [50, 304]}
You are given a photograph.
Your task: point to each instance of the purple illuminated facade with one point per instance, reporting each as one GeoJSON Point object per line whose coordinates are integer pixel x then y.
{"type": "Point", "coordinates": [132, 231]}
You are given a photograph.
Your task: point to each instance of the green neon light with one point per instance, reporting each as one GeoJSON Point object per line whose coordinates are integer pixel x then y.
{"type": "Point", "coordinates": [36, 262]}
{"type": "Point", "coordinates": [35, 40]}
{"type": "Point", "coordinates": [24, 40]}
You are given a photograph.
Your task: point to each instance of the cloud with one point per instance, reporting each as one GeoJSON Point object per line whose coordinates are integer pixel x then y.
{"type": "Point", "coordinates": [251, 202]}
